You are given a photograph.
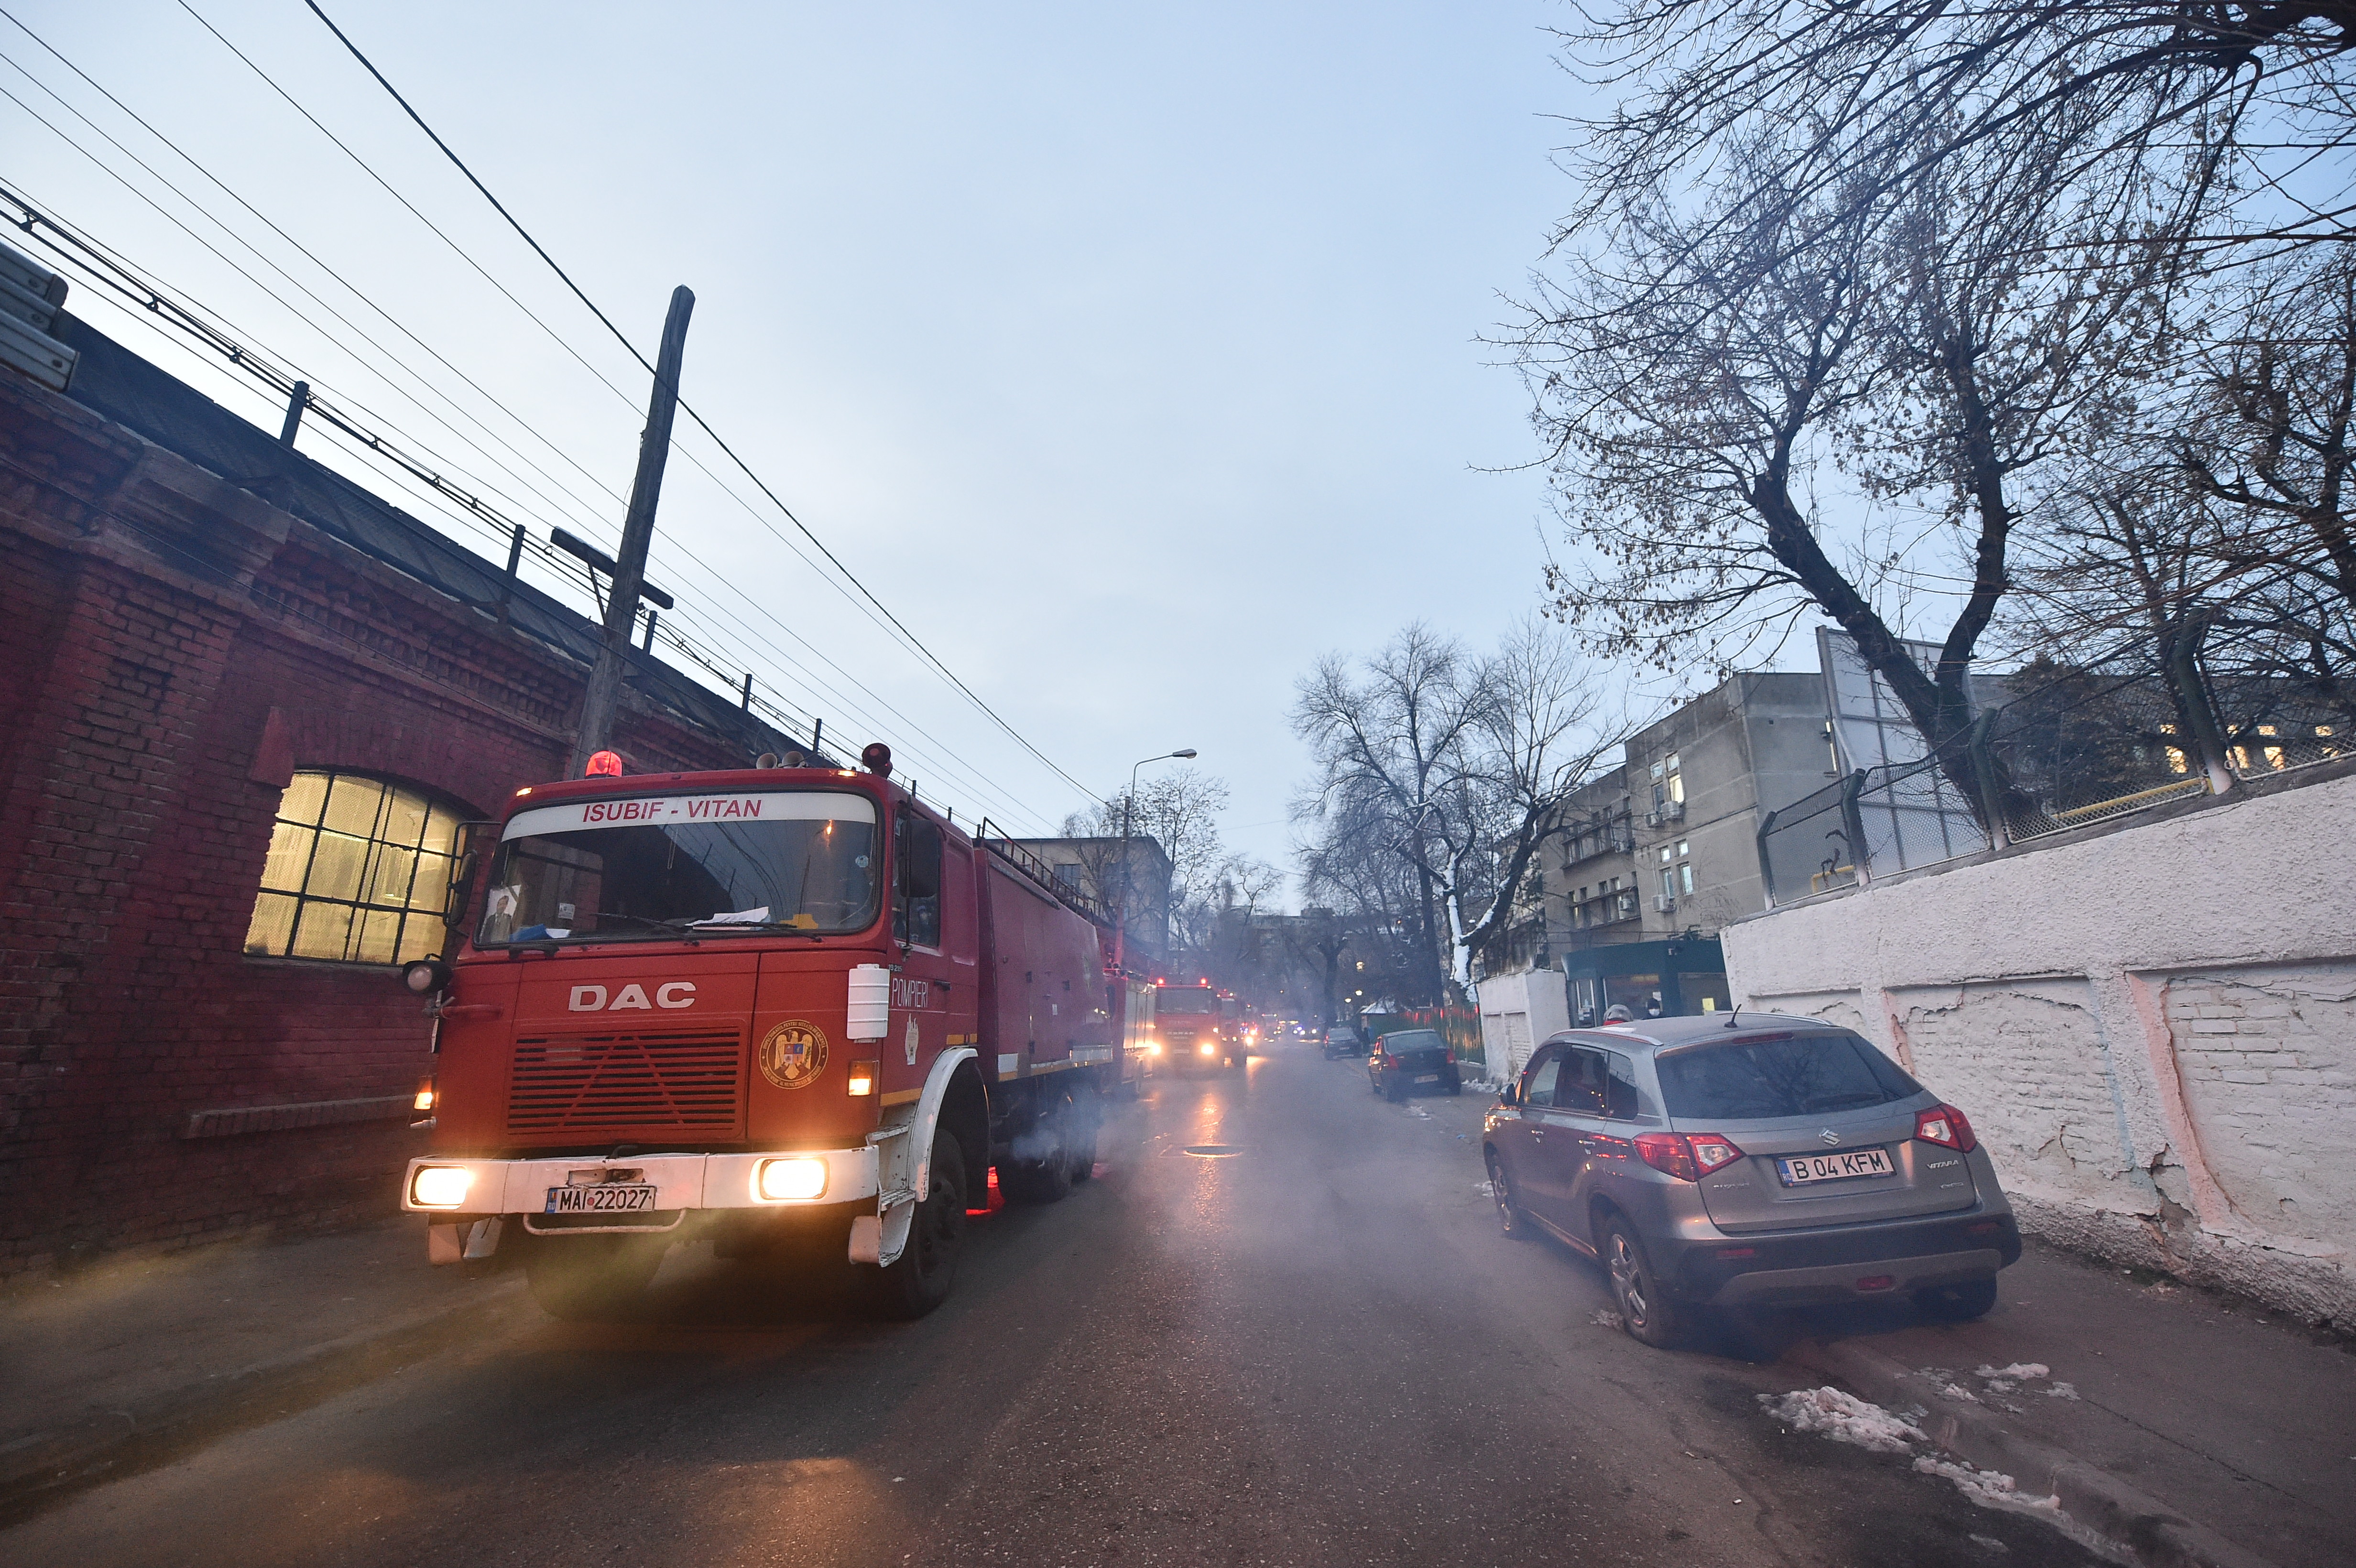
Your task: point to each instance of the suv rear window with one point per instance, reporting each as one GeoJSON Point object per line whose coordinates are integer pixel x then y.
{"type": "Point", "coordinates": [1778, 1075]}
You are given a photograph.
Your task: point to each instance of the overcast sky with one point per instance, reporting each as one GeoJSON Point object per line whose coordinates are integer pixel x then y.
{"type": "Point", "coordinates": [1129, 355]}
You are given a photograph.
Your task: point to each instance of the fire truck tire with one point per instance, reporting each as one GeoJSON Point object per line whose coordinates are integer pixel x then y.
{"type": "Point", "coordinates": [1088, 1116]}
{"type": "Point", "coordinates": [582, 1278]}
{"type": "Point", "coordinates": [920, 1280]}
{"type": "Point", "coordinates": [1046, 1176]}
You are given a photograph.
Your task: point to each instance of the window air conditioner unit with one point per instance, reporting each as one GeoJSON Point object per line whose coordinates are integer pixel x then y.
{"type": "Point", "coordinates": [1665, 903]}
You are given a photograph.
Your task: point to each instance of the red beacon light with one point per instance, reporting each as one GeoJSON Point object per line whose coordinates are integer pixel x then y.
{"type": "Point", "coordinates": [603, 766]}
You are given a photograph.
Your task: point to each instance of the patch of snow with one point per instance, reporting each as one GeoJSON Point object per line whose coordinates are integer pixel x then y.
{"type": "Point", "coordinates": [1485, 1189]}
{"type": "Point", "coordinates": [2016, 1372]}
{"type": "Point", "coordinates": [2062, 1391]}
{"type": "Point", "coordinates": [1958, 1391]}
{"type": "Point", "coordinates": [1987, 1488]}
{"type": "Point", "coordinates": [1844, 1418]}
{"type": "Point", "coordinates": [1607, 1319]}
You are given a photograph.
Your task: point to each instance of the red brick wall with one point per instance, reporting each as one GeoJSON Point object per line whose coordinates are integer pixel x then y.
{"type": "Point", "coordinates": [171, 648]}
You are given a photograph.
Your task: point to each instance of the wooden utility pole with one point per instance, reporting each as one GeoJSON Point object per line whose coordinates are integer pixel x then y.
{"type": "Point", "coordinates": [637, 533]}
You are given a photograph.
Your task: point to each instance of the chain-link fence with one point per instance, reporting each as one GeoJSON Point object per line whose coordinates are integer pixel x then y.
{"type": "Point", "coordinates": [2072, 746]}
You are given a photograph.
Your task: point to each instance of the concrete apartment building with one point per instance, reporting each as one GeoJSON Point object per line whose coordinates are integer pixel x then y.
{"type": "Point", "coordinates": [1653, 859]}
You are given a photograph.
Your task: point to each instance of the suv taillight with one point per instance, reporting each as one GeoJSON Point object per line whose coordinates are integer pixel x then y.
{"type": "Point", "coordinates": [1947, 1127]}
{"type": "Point", "coordinates": [1689, 1157]}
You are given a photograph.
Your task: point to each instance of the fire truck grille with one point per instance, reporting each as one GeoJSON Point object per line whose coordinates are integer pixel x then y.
{"type": "Point", "coordinates": [633, 1083]}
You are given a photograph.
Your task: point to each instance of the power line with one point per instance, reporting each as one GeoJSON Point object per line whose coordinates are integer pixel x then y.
{"type": "Point", "coordinates": [157, 308]}
{"type": "Point", "coordinates": [282, 382]}
{"type": "Point", "coordinates": [667, 545]}
{"type": "Point", "coordinates": [701, 423]}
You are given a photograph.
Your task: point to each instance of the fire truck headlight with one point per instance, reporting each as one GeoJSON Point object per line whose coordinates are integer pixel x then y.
{"type": "Point", "coordinates": [783, 1180]}
{"type": "Point", "coordinates": [1153, 1048]}
{"type": "Point", "coordinates": [440, 1186]}
{"type": "Point", "coordinates": [1207, 1048]}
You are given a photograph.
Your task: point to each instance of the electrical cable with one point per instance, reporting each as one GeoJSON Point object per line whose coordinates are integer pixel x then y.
{"type": "Point", "coordinates": [688, 453]}
{"type": "Point", "coordinates": [372, 451]}
{"type": "Point", "coordinates": [413, 468]}
{"type": "Point", "coordinates": [762, 485]}
{"type": "Point", "coordinates": [284, 380]}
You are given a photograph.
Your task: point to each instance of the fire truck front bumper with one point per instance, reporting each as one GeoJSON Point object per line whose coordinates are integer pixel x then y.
{"type": "Point", "coordinates": [644, 1192]}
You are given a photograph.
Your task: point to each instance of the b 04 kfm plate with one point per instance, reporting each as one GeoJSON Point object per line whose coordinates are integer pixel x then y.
{"type": "Point", "coordinates": [605, 1198]}
{"type": "Point", "coordinates": [1801, 1169]}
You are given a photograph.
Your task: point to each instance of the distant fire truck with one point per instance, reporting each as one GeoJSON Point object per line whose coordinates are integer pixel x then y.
{"type": "Point", "coordinates": [779, 1008]}
{"type": "Point", "coordinates": [1199, 1028]}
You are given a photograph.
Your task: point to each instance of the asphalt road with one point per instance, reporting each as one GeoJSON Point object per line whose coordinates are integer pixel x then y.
{"type": "Point", "coordinates": [1316, 1350]}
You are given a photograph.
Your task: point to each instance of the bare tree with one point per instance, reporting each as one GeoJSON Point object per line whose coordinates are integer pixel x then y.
{"type": "Point", "coordinates": [1179, 811]}
{"type": "Point", "coordinates": [1439, 777]}
{"type": "Point", "coordinates": [2270, 440]}
{"type": "Point", "coordinates": [1906, 87]}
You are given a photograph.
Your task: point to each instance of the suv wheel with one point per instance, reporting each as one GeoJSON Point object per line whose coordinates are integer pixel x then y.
{"type": "Point", "coordinates": [1957, 1303]}
{"type": "Point", "coordinates": [1645, 1310]}
{"type": "Point", "coordinates": [1510, 1218]}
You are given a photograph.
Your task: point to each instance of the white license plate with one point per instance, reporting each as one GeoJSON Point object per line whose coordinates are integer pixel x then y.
{"type": "Point", "coordinates": [605, 1198]}
{"type": "Point", "coordinates": [1799, 1169]}
{"type": "Point", "coordinates": [1427, 1077]}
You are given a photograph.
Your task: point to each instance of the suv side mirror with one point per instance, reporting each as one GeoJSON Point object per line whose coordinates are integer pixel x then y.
{"type": "Point", "coordinates": [1511, 1094]}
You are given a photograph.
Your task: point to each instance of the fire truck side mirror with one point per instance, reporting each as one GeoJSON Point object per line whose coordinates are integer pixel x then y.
{"type": "Point", "coordinates": [426, 975]}
{"type": "Point", "coordinates": [462, 873]}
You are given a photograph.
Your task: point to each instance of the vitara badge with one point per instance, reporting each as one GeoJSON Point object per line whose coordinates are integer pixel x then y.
{"type": "Point", "coordinates": [793, 1054]}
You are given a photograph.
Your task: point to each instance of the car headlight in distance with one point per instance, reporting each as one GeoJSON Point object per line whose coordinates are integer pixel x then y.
{"type": "Point", "coordinates": [783, 1180]}
{"type": "Point", "coordinates": [440, 1186]}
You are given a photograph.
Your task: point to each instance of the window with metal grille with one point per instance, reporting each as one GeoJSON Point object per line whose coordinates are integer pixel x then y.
{"type": "Point", "coordinates": [359, 871]}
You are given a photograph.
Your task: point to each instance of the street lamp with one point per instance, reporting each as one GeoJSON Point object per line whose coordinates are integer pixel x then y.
{"type": "Point", "coordinates": [1120, 918]}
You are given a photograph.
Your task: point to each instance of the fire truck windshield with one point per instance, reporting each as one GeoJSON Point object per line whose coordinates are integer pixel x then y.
{"type": "Point", "coordinates": [660, 867]}
{"type": "Point", "coordinates": [1192, 999]}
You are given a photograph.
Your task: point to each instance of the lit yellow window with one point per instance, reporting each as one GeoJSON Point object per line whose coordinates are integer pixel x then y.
{"type": "Point", "coordinates": [357, 873]}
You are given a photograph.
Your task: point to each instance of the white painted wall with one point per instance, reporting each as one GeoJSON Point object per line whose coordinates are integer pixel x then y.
{"type": "Point", "coordinates": [1517, 1012]}
{"type": "Point", "coordinates": [2153, 1028]}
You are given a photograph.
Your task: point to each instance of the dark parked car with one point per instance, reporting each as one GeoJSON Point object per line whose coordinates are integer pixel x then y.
{"type": "Point", "coordinates": [1407, 1059]}
{"type": "Point", "coordinates": [1343, 1041]}
{"type": "Point", "coordinates": [1753, 1160]}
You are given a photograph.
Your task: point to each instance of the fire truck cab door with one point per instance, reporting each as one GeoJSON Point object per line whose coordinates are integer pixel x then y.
{"type": "Point", "coordinates": [934, 996]}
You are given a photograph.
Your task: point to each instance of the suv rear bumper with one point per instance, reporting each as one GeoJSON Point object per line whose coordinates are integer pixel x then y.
{"type": "Point", "coordinates": [1846, 1263]}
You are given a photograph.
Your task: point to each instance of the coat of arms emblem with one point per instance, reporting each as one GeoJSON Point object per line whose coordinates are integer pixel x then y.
{"type": "Point", "coordinates": [793, 1054]}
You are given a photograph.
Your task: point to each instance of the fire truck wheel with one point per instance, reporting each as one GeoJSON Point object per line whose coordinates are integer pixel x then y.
{"type": "Point", "coordinates": [920, 1280]}
{"type": "Point", "coordinates": [1087, 1119]}
{"type": "Point", "coordinates": [1043, 1173]}
{"type": "Point", "coordinates": [589, 1278]}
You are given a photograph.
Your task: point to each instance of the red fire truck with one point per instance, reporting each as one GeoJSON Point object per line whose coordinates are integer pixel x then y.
{"type": "Point", "coordinates": [781, 1009]}
{"type": "Point", "coordinates": [1197, 1028]}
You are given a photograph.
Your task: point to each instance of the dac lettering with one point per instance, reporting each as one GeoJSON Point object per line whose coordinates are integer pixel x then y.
{"type": "Point", "coordinates": [632, 998]}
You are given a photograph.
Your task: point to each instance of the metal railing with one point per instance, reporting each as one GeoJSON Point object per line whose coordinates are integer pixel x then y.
{"type": "Point", "coordinates": [1038, 869]}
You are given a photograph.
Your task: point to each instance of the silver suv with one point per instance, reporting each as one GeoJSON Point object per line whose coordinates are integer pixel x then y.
{"type": "Point", "coordinates": [1746, 1159]}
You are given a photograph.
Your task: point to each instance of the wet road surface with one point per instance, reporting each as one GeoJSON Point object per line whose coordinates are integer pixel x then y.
{"type": "Point", "coordinates": [1315, 1350]}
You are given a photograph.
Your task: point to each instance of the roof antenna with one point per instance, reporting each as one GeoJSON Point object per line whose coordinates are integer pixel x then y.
{"type": "Point", "coordinates": [1735, 1017]}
